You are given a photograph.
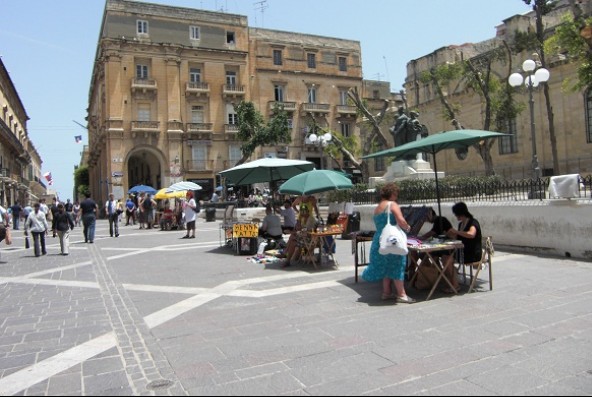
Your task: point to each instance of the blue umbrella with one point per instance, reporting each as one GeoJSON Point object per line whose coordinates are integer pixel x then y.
{"type": "Point", "coordinates": [142, 189]}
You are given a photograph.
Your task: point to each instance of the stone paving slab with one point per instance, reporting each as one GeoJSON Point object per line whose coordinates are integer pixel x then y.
{"type": "Point", "coordinates": [196, 319]}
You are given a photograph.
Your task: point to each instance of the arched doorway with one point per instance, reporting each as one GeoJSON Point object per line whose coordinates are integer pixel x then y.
{"type": "Point", "coordinates": [144, 168]}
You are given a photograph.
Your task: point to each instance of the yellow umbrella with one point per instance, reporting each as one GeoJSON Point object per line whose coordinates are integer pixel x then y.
{"type": "Point", "coordinates": [163, 195]}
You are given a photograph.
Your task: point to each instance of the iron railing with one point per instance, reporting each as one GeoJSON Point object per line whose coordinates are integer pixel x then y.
{"type": "Point", "coordinates": [485, 191]}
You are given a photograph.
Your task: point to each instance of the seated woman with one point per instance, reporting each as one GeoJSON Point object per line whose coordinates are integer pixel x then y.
{"type": "Point", "coordinates": [469, 232]}
{"type": "Point", "coordinates": [298, 237]}
{"type": "Point", "coordinates": [272, 225]}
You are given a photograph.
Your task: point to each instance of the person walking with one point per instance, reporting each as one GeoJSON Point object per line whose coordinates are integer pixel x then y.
{"type": "Point", "coordinates": [5, 226]}
{"type": "Point", "coordinates": [190, 215]}
{"type": "Point", "coordinates": [388, 268]}
{"type": "Point", "coordinates": [16, 215]}
{"type": "Point", "coordinates": [37, 224]}
{"type": "Point", "coordinates": [148, 205]}
{"type": "Point", "coordinates": [62, 224]}
{"type": "Point", "coordinates": [89, 218]}
{"type": "Point", "coordinates": [112, 214]}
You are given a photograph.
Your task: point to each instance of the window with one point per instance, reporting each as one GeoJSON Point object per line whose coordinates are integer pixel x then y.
{"type": "Point", "coordinates": [379, 162]}
{"type": "Point", "coordinates": [234, 153]}
{"type": "Point", "coordinates": [142, 27]}
{"type": "Point", "coordinates": [343, 98]}
{"type": "Point", "coordinates": [141, 72]}
{"type": "Point", "coordinates": [589, 115]}
{"type": "Point", "coordinates": [197, 114]}
{"type": "Point", "coordinates": [230, 38]}
{"type": "Point", "coordinates": [195, 75]}
{"type": "Point", "coordinates": [508, 144]}
{"type": "Point", "coordinates": [345, 130]}
{"type": "Point", "coordinates": [279, 93]}
{"type": "Point", "coordinates": [277, 57]}
{"type": "Point", "coordinates": [312, 94]}
{"type": "Point", "coordinates": [199, 153]}
{"type": "Point", "coordinates": [311, 60]}
{"type": "Point", "coordinates": [144, 112]}
{"type": "Point", "coordinates": [342, 64]}
{"type": "Point", "coordinates": [194, 32]}
{"type": "Point", "coordinates": [232, 116]}
{"type": "Point", "coordinates": [231, 78]}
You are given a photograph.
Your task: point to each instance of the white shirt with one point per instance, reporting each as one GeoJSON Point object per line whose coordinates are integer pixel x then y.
{"type": "Point", "coordinates": [272, 224]}
{"type": "Point", "coordinates": [36, 222]}
{"type": "Point", "coordinates": [3, 214]}
{"type": "Point", "coordinates": [113, 203]}
{"type": "Point", "coordinates": [289, 217]}
{"type": "Point", "coordinates": [215, 198]}
{"type": "Point", "coordinates": [190, 214]}
{"type": "Point", "coordinates": [44, 208]}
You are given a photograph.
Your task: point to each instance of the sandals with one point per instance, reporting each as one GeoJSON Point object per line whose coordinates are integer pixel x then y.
{"type": "Point", "coordinates": [405, 299]}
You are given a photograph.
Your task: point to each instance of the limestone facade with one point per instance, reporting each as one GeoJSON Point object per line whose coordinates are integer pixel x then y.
{"type": "Point", "coordinates": [20, 163]}
{"type": "Point", "coordinates": [512, 156]}
{"type": "Point", "coordinates": [165, 81]}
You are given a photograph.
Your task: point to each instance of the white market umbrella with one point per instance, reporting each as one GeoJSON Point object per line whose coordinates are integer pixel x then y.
{"type": "Point", "coordinates": [183, 186]}
{"type": "Point", "coordinates": [265, 170]}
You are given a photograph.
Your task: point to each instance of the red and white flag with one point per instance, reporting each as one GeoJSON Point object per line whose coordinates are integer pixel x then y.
{"type": "Point", "coordinates": [47, 176]}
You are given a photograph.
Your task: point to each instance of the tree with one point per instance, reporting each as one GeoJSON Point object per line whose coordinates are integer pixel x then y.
{"type": "Point", "coordinates": [541, 8]}
{"type": "Point", "coordinates": [573, 39]}
{"type": "Point", "coordinates": [477, 75]}
{"type": "Point", "coordinates": [81, 181]}
{"type": "Point", "coordinates": [253, 131]}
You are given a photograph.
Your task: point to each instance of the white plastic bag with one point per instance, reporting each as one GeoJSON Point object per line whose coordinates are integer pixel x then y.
{"type": "Point", "coordinates": [393, 239]}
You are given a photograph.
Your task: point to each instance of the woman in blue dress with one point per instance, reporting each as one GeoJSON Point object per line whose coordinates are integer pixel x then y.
{"type": "Point", "coordinates": [388, 268]}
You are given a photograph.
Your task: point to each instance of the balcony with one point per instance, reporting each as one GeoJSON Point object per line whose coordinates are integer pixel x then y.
{"type": "Point", "coordinates": [114, 125]}
{"type": "Point", "coordinates": [174, 126]}
{"type": "Point", "coordinates": [230, 131]}
{"type": "Point", "coordinates": [144, 86]}
{"type": "Point", "coordinates": [199, 127]}
{"type": "Point", "coordinates": [233, 90]}
{"type": "Point", "coordinates": [288, 106]}
{"type": "Point", "coordinates": [199, 165]}
{"type": "Point", "coordinates": [146, 126]}
{"type": "Point", "coordinates": [197, 89]}
{"type": "Point", "coordinates": [345, 110]}
{"type": "Point", "coordinates": [316, 108]}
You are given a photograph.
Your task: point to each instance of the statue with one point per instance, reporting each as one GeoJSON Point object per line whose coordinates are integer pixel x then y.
{"type": "Point", "coordinates": [407, 129]}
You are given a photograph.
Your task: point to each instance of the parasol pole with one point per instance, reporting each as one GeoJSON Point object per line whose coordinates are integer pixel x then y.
{"type": "Point", "coordinates": [437, 188]}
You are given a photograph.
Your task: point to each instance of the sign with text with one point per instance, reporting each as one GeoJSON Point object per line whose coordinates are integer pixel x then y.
{"type": "Point", "coordinates": [245, 230]}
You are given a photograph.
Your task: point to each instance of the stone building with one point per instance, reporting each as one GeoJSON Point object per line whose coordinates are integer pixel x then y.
{"type": "Point", "coordinates": [20, 163]}
{"type": "Point", "coordinates": [165, 81]}
{"type": "Point", "coordinates": [511, 155]}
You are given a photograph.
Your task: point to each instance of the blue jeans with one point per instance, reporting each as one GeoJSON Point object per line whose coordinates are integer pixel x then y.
{"type": "Point", "coordinates": [39, 243]}
{"type": "Point", "coordinates": [15, 221]}
{"type": "Point", "coordinates": [88, 222]}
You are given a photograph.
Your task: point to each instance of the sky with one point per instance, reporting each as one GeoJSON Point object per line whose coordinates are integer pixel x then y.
{"type": "Point", "coordinates": [49, 47]}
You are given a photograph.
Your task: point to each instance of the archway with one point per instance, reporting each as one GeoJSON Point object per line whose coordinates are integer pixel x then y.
{"type": "Point", "coordinates": [144, 167]}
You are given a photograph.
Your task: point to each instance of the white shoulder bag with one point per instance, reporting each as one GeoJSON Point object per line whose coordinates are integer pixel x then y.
{"type": "Point", "coordinates": [393, 239]}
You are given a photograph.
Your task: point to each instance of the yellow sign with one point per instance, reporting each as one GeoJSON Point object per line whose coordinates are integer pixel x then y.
{"type": "Point", "coordinates": [248, 230]}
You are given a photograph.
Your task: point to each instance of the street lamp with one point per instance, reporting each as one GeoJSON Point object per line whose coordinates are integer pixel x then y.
{"type": "Point", "coordinates": [533, 78]}
{"type": "Point", "coordinates": [322, 141]}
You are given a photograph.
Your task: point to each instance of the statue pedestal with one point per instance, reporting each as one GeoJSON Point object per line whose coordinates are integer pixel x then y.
{"type": "Point", "coordinates": [400, 170]}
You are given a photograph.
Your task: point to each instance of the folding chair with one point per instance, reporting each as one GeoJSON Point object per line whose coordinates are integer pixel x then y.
{"type": "Point", "coordinates": [486, 261]}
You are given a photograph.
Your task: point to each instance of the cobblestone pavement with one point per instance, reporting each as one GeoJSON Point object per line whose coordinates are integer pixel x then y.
{"type": "Point", "coordinates": [151, 314]}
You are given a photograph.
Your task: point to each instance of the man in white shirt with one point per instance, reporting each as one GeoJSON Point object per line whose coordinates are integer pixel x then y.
{"type": "Point", "coordinates": [289, 215]}
{"type": "Point", "coordinates": [4, 226]}
{"type": "Point", "coordinates": [43, 207]}
{"type": "Point", "coordinates": [112, 215]}
{"type": "Point", "coordinates": [191, 211]}
{"type": "Point", "coordinates": [272, 225]}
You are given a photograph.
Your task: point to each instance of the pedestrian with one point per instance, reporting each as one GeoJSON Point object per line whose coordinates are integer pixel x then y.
{"type": "Point", "coordinates": [388, 268]}
{"type": "Point", "coordinates": [16, 215]}
{"type": "Point", "coordinates": [89, 218]}
{"type": "Point", "coordinates": [69, 207]}
{"type": "Point", "coordinates": [77, 213]}
{"type": "Point", "coordinates": [111, 207]}
{"type": "Point", "coordinates": [130, 210]}
{"type": "Point", "coordinates": [5, 226]}
{"type": "Point", "coordinates": [62, 224]}
{"type": "Point", "coordinates": [53, 210]}
{"type": "Point", "coordinates": [191, 211]}
{"type": "Point", "coordinates": [149, 205]}
{"type": "Point", "coordinates": [37, 224]}
{"type": "Point", "coordinates": [43, 207]}
{"type": "Point", "coordinates": [140, 210]}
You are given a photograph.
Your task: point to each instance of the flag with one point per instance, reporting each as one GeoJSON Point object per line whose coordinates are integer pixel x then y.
{"type": "Point", "coordinates": [48, 177]}
{"type": "Point", "coordinates": [78, 138]}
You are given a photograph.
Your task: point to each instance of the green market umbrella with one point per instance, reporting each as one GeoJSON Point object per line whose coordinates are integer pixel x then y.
{"type": "Point", "coordinates": [455, 139]}
{"type": "Point", "coordinates": [316, 181]}
{"type": "Point", "coordinates": [265, 170]}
